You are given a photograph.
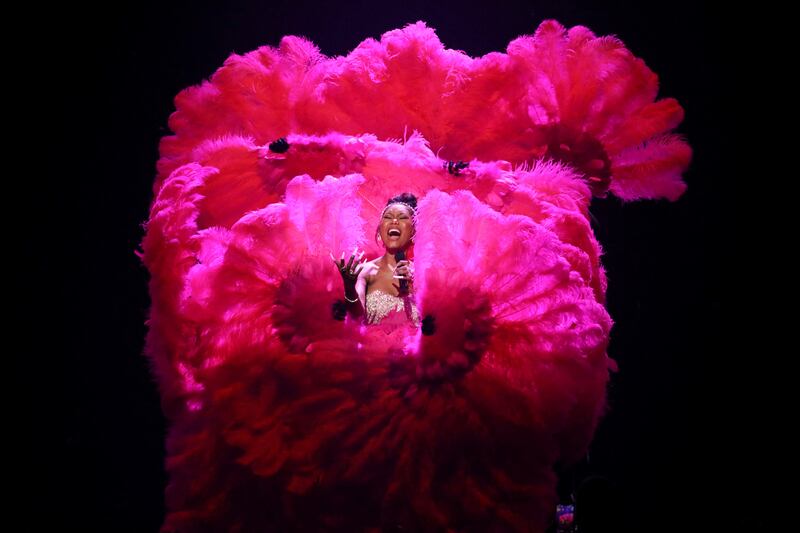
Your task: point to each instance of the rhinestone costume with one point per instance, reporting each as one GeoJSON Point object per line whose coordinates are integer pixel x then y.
{"type": "Point", "coordinates": [380, 304]}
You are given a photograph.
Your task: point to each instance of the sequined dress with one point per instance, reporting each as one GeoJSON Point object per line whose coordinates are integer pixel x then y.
{"type": "Point", "coordinates": [384, 308]}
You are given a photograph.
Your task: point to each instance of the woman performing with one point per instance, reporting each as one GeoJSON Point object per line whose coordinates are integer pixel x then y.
{"type": "Point", "coordinates": [371, 285]}
{"type": "Point", "coordinates": [441, 389]}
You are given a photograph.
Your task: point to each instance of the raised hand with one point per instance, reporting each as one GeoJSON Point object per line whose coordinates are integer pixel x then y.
{"type": "Point", "coordinates": [350, 271]}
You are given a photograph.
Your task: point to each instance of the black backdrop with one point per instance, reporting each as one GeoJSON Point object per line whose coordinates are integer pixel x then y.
{"type": "Point", "coordinates": [117, 70]}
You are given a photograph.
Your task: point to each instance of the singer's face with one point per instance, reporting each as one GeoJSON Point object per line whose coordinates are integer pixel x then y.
{"type": "Point", "coordinates": [396, 226]}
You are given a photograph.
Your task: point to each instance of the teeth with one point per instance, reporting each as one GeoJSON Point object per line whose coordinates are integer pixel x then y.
{"type": "Point", "coordinates": [394, 232]}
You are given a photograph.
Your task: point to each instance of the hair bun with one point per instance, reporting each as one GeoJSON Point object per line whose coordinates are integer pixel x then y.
{"type": "Point", "coordinates": [404, 198]}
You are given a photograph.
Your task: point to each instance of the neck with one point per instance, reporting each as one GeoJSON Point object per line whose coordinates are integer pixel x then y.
{"type": "Point", "coordinates": [388, 257]}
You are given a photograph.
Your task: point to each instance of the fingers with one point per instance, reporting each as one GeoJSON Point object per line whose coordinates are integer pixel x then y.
{"type": "Point", "coordinates": [404, 263]}
{"type": "Point", "coordinates": [352, 256]}
{"type": "Point", "coordinates": [359, 260]}
{"type": "Point", "coordinates": [404, 267]}
{"type": "Point", "coordinates": [404, 273]}
{"type": "Point", "coordinates": [399, 265]}
{"type": "Point", "coordinates": [340, 262]}
{"type": "Point", "coordinates": [360, 265]}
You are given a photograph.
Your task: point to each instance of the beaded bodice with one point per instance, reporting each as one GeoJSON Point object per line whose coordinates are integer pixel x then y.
{"type": "Point", "coordinates": [380, 304]}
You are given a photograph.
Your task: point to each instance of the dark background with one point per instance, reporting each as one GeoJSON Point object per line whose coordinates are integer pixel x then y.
{"type": "Point", "coordinates": [667, 443]}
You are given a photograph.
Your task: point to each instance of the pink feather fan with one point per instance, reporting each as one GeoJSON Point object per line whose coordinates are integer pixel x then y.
{"type": "Point", "coordinates": [285, 419]}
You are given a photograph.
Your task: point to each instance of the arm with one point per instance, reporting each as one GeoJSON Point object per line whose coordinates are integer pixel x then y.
{"type": "Point", "coordinates": [359, 294]}
{"type": "Point", "coordinates": [355, 283]}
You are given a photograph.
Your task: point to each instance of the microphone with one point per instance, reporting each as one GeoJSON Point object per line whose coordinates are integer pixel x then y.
{"type": "Point", "coordinates": [400, 256]}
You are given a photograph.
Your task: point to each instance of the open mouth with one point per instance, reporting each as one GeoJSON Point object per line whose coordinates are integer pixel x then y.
{"type": "Point", "coordinates": [394, 233]}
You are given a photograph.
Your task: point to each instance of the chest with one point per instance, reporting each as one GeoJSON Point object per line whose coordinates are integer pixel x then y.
{"type": "Point", "coordinates": [380, 279]}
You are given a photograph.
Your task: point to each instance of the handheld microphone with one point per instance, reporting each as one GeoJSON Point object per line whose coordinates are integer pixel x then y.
{"type": "Point", "coordinates": [399, 256]}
